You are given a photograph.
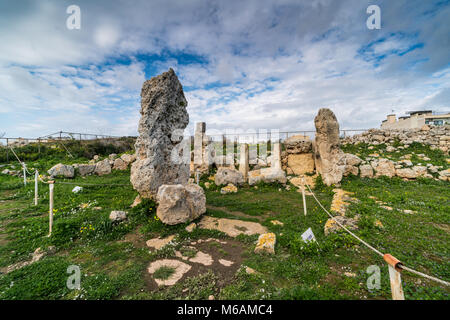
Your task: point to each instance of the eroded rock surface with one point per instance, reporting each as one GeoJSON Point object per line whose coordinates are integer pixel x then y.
{"type": "Point", "coordinates": [326, 147]}
{"type": "Point", "coordinates": [159, 147]}
{"type": "Point", "coordinates": [180, 204]}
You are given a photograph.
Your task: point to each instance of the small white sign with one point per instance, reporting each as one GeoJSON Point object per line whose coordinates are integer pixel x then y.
{"type": "Point", "coordinates": [308, 236]}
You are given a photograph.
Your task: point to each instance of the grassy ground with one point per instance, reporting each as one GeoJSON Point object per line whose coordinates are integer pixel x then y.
{"type": "Point", "coordinates": [113, 257]}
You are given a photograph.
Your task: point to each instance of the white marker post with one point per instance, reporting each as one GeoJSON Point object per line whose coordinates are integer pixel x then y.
{"type": "Point", "coordinates": [51, 186]}
{"type": "Point", "coordinates": [396, 284]}
{"type": "Point", "coordinates": [394, 276]}
{"type": "Point", "coordinates": [24, 174]}
{"type": "Point", "coordinates": [36, 177]}
{"type": "Point", "coordinates": [303, 196]}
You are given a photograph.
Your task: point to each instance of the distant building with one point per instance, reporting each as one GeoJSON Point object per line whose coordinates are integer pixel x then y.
{"type": "Point", "coordinates": [416, 119]}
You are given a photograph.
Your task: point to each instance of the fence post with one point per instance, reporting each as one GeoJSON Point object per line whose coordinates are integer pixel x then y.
{"type": "Point", "coordinates": [24, 173]}
{"type": "Point", "coordinates": [7, 150]}
{"type": "Point", "coordinates": [51, 186]}
{"type": "Point", "coordinates": [396, 284]}
{"type": "Point", "coordinates": [394, 277]}
{"type": "Point", "coordinates": [303, 195]}
{"type": "Point", "coordinates": [36, 177]}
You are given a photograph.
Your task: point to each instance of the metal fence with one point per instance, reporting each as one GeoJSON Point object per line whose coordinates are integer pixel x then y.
{"type": "Point", "coordinates": [226, 142]}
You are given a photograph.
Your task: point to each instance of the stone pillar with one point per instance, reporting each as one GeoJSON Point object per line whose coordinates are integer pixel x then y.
{"type": "Point", "coordinates": [163, 116]}
{"type": "Point", "coordinates": [243, 161]}
{"type": "Point", "coordinates": [276, 156]}
{"type": "Point", "coordinates": [327, 153]}
{"type": "Point", "coordinates": [200, 128]}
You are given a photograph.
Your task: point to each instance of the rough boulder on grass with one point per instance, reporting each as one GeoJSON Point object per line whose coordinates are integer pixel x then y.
{"type": "Point", "coordinates": [180, 204]}
{"type": "Point", "coordinates": [62, 170]}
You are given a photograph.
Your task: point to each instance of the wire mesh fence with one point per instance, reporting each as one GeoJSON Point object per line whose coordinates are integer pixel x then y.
{"type": "Point", "coordinates": [260, 142]}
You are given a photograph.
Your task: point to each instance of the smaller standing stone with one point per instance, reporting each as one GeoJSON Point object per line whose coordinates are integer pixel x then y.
{"type": "Point", "coordinates": [243, 161]}
{"type": "Point", "coordinates": [276, 156]}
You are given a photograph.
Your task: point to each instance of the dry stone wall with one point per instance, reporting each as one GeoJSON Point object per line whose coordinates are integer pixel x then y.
{"type": "Point", "coordinates": [436, 137]}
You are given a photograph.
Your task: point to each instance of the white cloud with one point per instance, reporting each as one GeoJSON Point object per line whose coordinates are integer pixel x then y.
{"type": "Point", "coordinates": [265, 64]}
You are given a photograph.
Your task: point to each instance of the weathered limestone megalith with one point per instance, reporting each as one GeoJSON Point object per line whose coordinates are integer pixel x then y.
{"type": "Point", "coordinates": [327, 152]}
{"type": "Point", "coordinates": [160, 145]}
{"type": "Point", "coordinates": [180, 204]}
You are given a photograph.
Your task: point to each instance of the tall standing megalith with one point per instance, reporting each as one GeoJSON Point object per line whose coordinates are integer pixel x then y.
{"type": "Point", "coordinates": [327, 152]}
{"type": "Point", "coordinates": [163, 119]}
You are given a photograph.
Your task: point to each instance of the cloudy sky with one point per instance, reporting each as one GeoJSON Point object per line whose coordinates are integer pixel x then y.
{"type": "Point", "coordinates": [244, 65]}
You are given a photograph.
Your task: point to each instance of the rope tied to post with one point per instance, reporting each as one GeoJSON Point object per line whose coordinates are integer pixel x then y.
{"type": "Point", "coordinates": [391, 260]}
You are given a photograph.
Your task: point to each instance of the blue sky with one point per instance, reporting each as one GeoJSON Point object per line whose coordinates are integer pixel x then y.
{"type": "Point", "coordinates": [244, 65]}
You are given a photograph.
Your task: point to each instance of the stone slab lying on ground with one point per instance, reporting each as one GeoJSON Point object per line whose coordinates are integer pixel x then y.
{"type": "Point", "coordinates": [202, 258]}
{"type": "Point", "coordinates": [37, 255]}
{"type": "Point", "coordinates": [226, 263]}
{"type": "Point", "coordinates": [180, 268]}
{"type": "Point", "coordinates": [341, 200]}
{"type": "Point", "coordinates": [158, 243]}
{"type": "Point", "coordinates": [332, 226]}
{"type": "Point", "coordinates": [231, 227]}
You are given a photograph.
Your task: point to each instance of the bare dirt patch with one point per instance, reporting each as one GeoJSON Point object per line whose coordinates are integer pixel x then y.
{"type": "Point", "coordinates": [218, 250]}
